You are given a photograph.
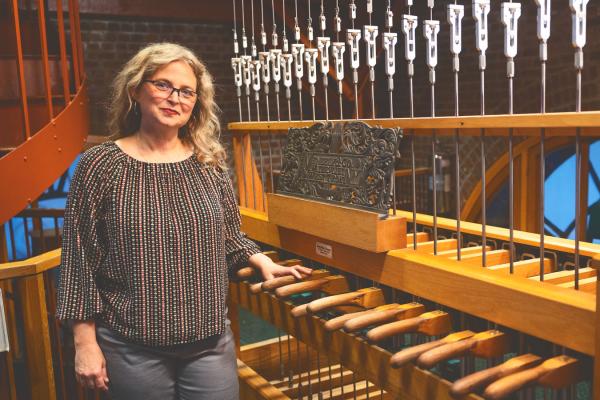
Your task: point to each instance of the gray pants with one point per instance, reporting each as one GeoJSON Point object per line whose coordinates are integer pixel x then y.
{"type": "Point", "coordinates": [205, 370]}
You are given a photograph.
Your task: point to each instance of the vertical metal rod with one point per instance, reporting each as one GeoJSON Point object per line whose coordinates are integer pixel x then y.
{"type": "Point", "coordinates": [262, 171]}
{"type": "Point", "coordinates": [299, 386]}
{"type": "Point", "coordinates": [252, 165]}
{"type": "Point", "coordinates": [457, 156]}
{"type": "Point", "coordinates": [511, 182]}
{"type": "Point", "coordinates": [290, 364]}
{"type": "Point", "coordinates": [271, 163]}
{"type": "Point", "coordinates": [413, 164]}
{"type": "Point", "coordinates": [483, 180]}
{"type": "Point", "coordinates": [281, 366]}
{"type": "Point", "coordinates": [243, 145]}
{"type": "Point", "coordinates": [578, 178]}
{"type": "Point", "coordinates": [542, 205]}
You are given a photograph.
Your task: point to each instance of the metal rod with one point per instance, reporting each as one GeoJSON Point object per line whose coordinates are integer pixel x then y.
{"type": "Point", "coordinates": [262, 171]}
{"type": "Point", "coordinates": [21, 70]}
{"type": "Point", "coordinates": [271, 162]}
{"type": "Point", "coordinates": [242, 140]}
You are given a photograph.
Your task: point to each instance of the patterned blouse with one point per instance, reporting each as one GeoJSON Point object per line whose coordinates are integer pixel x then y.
{"type": "Point", "coordinates": [147, 247]}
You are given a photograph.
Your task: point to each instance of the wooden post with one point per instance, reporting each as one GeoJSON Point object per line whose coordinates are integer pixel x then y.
{"type": "Point", "coordinates": [37, 337]}
{"type": "Point", "coordinates": [250, 188]}
{"type": "Point", "coordinates": [596, 374]}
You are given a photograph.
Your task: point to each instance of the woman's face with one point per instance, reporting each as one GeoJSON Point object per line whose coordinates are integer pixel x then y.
{"type": "Point", "coordinates": [160, 105]}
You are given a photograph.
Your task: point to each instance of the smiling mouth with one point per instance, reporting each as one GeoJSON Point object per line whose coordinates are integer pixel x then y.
{"type": "Point", "coordinates": [169, 111]}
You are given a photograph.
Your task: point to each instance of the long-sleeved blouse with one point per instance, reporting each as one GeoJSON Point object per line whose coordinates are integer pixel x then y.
{"type": "Point", "coordinates": [147, 247]}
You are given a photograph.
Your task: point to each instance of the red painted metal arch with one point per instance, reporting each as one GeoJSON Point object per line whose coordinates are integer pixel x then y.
{"type": "Point", "coordinates": [27, 171]}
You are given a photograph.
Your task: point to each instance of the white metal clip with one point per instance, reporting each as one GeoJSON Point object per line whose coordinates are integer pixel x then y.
{"type": "Point", "coordinates": [323, 44]}
{"type": "Point", "coordinates": [353, 39]}
{"type": "Point", "coordinates": [510, 19]}
{"type": "Point", "coordinates": [578, 10]}
{"type": "Point", "coordinates": [286, 63]}
{"type": "Point", "coordinates": [323, 22]}
{"type": "Point", "coordinates": [264, 58]}
{"type": "Point", "coordinates": [275, 57]}
{"type": "Point", "coordinates": [263, 38]}
{"type": "Point", "coordinates": [543, 26]}
{"type": "Point", "coordinates": [255, 68]}
{"type": "Point", "coordinates": [310, 56]}
{"type": "Point", "coordinates": [389, 46]}
{"type": "Point", "coordinates": [236, 64]}
{"type": "Point", "coordinates": [298, 54]}
{"type": "Point", "coordinates": [274, 39]}
{"type": "Point", "coordinates": [431, 28]}
{"type": "Point", "coordinates": [370, 37]}
{"type": "Point", "coordinates": [481, 10]}
{"type": "Point", "coordinates": [456, 12]}
{"type": "Point", "coordinates": [409, 27]}
{"type": "Point", "coordinates": [247, 77]}
{"type": "Point", "coordinates": [338, 50]}
{"type": "Point", "coordinates": [369, 6]}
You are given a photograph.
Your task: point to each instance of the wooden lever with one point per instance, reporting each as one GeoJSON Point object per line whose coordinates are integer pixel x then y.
{"type": "Point", "coordinates": [278, 282]}
{"type": "Point", "coordinates": [486, 344]}
{"type": "Point", "coordinates": [430, 323]}
{"type": "Point", "coordinates": [366, 298]}
{"type": "Point", "coordinates": [338, 322]}
{"type": "Point", "coordinates": [556, 373]}
{"type": "Point", "coordinates": [399, 312]}
{"type": "Point", "coordinates": [412, 353]}
{"type": "Point", "coordinates": [330, 284]}
{"type": "Point", "coordinates": [480, 379]}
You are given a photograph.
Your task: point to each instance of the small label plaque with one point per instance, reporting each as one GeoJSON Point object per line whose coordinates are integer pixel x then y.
{"type": "Point", "coordinates": [324, 250]}
{"type": "Point", "coordinates": [349, 163]}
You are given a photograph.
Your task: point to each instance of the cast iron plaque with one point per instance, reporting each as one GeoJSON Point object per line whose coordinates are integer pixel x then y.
{"type": "Point", "coordinates": [345, 162]}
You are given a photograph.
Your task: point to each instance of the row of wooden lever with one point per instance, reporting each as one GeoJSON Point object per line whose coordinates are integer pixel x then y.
{"type": "Point", "coordinates": [498, 260]}
{"type": "Point", "coordinates": [388, 320]}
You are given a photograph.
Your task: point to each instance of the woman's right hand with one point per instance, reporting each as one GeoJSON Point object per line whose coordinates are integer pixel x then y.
{"type": "Point", "coordinates": [90, 366]}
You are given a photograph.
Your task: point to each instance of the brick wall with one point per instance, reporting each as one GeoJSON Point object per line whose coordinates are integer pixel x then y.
{"type": "Point", "coordinates": [110, 41]}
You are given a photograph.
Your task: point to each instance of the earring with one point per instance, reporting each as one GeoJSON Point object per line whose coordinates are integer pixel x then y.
{"type": "Point", "coordinates": [136, 112]}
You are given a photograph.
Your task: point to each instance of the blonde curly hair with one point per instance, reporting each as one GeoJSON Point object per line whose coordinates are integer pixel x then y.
{"type": "Point", "coordinates": [203, 128]}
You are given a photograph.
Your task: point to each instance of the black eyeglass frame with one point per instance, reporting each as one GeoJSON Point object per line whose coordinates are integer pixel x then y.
{"type": "Point", "coordinates": [173, 89]}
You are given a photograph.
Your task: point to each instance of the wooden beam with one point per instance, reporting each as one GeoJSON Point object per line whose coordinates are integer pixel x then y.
{"type": "Point", "coordinates": [493, 232]}
{"type": "Point", "coordinates": [510, 301]}
{"type": "Point", "coordinates": [37, 338]}
{"type": "Point", "coordinates": [255, 387]}
{"type": "Point", "coordinates": [495, 125]}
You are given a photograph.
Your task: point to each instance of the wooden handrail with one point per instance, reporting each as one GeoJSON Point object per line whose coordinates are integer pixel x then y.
{"type": "Point", "coordinates": [557, 124]}
{"type": "Point", "coordinates": [31, 266]}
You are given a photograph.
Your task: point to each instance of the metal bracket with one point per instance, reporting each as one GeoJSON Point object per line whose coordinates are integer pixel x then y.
{"type": "Point", "coordinates": [511, 12]}
{"type": "Point", "coordinates": [255, 68]}
{"type": "Point", "coordinates": [236, 64]}
{"type": "Point", "coordinates": [353, 39]}
{"type": "Point", "coordinates": [338, 50]}
{"type": "Point", "coordinates": [431, 28]}
{"type": "Point", "coordinates": [390, 39]}
{"type": "Point", "coordinates": [456, 12]}
{"type": "Point", "coordinates": [298, 54]}
{"type": "Point", "coordinates": [247, 77]}
{"type": "Point", "coordinates": [578, 10]}
{"type": "Point", "coordinates": [409, 27]}
{"type": "Point", "coordinates": [264, 58]}
{"type": "Point", "coordinates": [481, 10]}
{"type": "Point", "coordinates": [286, 63]}
{"type": "Point", "coordinates": [323, 44]}
{"type": "Point", "coordinates": [310, 56]}
{"type": "Point", "coordinates": [370, 37]}
{"type": "Point", "coordinates": [275, 57]}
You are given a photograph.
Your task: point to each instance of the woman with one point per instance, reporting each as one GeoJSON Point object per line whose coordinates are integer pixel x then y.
{"type": "Point", "coordinates": [151, 232]}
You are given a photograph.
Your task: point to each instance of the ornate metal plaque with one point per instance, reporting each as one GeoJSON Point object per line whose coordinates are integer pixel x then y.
{"type": "Point", "coordinates": [346, 162]}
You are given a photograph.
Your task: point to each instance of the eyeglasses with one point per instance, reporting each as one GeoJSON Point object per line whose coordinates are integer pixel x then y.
{"type": "Point", "coordinates": [186, 95]}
